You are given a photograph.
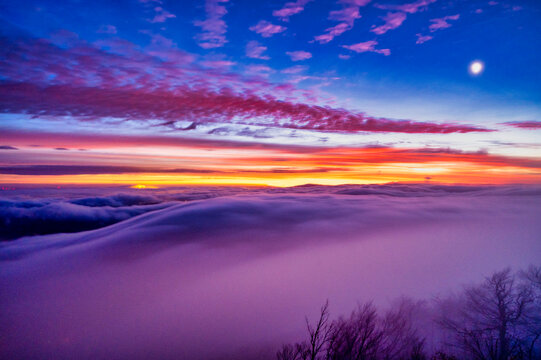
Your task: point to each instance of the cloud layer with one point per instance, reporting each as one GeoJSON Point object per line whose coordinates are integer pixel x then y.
{"type": "Point", "coordinates": [23, 217]}
{"type": "Point", "coordinates": [240, 272]}
{"type": "Point", "coordinates": [203, 105]}
{"type": "Point", "coordinates": [72, 213]}
{"type": "Point", "coordinates": [162, 84]}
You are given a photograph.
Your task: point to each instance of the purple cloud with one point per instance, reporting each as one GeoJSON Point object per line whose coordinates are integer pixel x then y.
{"type": "Point", "coordinates": [214, 28]}
{"type": "Point", "coordinates": [289, 9]}
{"type": "Point", "coordinates": [255, 50]}
{"type": "Point", "coordinates": [299, 55]}
{"type": "Point", "coordinates": [346, 16]}
{"type": "Point", "coordinates": [332, 32]}
{"type": "Point", "coordinates": [294, 69]}
{"type": "Point", "coordinates": [259, 70]}
{"type": "Point", "coordinates": [92, 169]}
{"type": "Point", "coordinates": [392, 21]}
{"type": "Point", "coordinates": [161, 15]}
{"type": "Point", "coordinates": [441, 23]}
{"type": "Point", "coordinates": [410, 8]}
{"type": "Point", "coordinates": [218, 64]}
{"type": "Point", "coordinates": [267, 29]}
{"type": "Point", "coordinates": [171, 96]}
{"type": "Point", "coordinates": [367, 46]}
{"type": "Point", "coordinates": [423, 38]}
{"type": "Point", "coordinates": [206, 105]}
{"type": "Point", "coordinates": [530, 125]}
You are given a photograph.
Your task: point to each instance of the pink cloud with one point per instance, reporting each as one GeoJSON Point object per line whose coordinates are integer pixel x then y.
{"type": "Point", "coordinates": [344, 57]}
{"type": "Point", "coordinates": [259, 70]}
{"type": "Point", "coordinates": [213, 26]}
{"type": "Point", "coordinates": [114, 62]}
{"type": "Point", "coordinates": [367, 46]}
{"type": "Point", "coordinates": [346, 16]}
{"type": "Point", "coordinates": [423, 38]}
{"type": "Point", "coordinates": [126, 82]}
{"type": "Point", "coordinates": [294, 69]}
{"type": "Point", "coordinates": [332, 32]}
{"type": "Point", "coordinates": [441, 23]}
{"type": "Point", "coordinates": [529, 125]}
{"type": "Point", "coordinates": [255, 50]}
{"type": "Point", "coordinates": [161, 15]}
{"type": "Point", "coordinates": [299, 55]}
{"type": "Point", "coordinates": [392, 21]}
{"type": "Point", "coordinates": [410, 8]}
{"type": "Point", "coordinates": [266, 29]}
{"type": "Point", "coordinates": [107, 29]}
{"type": "Point", "coordinates": [289, 9]}
{"type": "Point", "coordinates": [202, 105]}
{"type": "Point", "coordinates": [218, 64]}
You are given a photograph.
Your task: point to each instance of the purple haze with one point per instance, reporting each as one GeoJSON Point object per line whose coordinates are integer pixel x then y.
{"type": "Point", "coordinates": [220, 273]}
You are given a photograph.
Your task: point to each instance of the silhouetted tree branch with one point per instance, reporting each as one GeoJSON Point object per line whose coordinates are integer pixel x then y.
{"type": "Point", "coordinates": [499, 319]}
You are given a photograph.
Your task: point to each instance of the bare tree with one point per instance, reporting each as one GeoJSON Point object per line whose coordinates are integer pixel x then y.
{"type": "Point", "coordinates": [362, 336]}
{"type": "Point", "coordinates": [315, 347]}
{"type": "Point", "coordinates": [499, 319]}
{"type": "Point", "coordinates": [292, 352]}
{"type": "Point", "coordinates": [489, 319]}
{"type": "Point", "coordinates": [532, 320]}
{"type": "Point", "coordinates": [399, 336]}
{"type": "Point", "coordinates": [358, 337]}
{"type": "Point", "coordinates": [318, 335]}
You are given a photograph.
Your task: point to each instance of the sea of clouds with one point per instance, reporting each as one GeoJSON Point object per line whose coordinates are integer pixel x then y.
{"type": "Point", "coordinates": [231, 272]}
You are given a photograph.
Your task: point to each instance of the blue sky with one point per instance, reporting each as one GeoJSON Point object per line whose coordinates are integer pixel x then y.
{"type": "Point", "coordinates": [304, 72]}
{"type": "Point", "coordinates": [505, 35]}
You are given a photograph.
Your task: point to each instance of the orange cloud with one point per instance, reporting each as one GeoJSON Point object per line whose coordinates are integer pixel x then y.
{"type": "Point", "coordinates": [174, 160]}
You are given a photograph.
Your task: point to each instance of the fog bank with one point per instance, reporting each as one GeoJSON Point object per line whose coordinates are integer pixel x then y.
{"type": "Point", "coordinates": [233, 275]}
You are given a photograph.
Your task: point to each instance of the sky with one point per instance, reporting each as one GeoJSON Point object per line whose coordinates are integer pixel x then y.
{"type": "Point", "coordinates": [280, 93]}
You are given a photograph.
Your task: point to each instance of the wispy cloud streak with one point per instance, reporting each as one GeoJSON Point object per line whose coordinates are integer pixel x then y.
{"type": "Point", "coordinates": [214, 27]}
{"type": "Point", "coordinates": [346, 16]}
{"type": "Point", "coordinates": [290, 9]}
{"type": "Point", "coordinates": [255, 50]}
{"type": "Point", "coordinates": [529, 125]}
{"type": "Point", "coordinates": [410, 8]}
{"type": "Point", "coordinates": [367, 46]}
{"type": "Point", "coordinates": [267, 29]}
{"type": "Point", "coordinates": [299, 55]}
{"type": "Point", "coordinates": [442, 23]}
{"type": "Point", "coordinates": [203, 105]}
{"type": "Point", "coordinates": [392, 21]}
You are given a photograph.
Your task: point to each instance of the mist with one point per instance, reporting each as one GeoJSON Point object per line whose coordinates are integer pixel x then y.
{"type": "Point", "coordinates": [232, 274]}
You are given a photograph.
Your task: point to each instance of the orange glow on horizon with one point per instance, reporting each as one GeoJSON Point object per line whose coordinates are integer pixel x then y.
{"type": "Point", "coordinates": [153, 180]}
{"type": "Point", "coordinates": [167, 161]}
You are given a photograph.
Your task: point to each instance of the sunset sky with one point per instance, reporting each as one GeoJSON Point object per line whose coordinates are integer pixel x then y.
{"type": "Point", "coordinates": [274, 93]}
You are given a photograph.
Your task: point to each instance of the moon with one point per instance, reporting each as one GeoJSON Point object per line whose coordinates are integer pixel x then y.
{"type": "Point", "coordinates": [476, 67]}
